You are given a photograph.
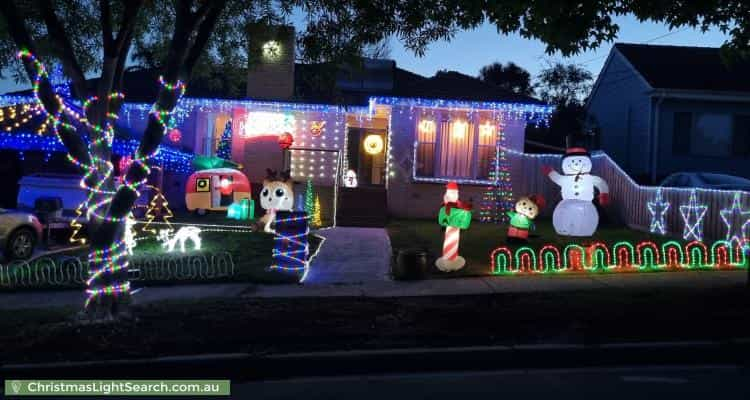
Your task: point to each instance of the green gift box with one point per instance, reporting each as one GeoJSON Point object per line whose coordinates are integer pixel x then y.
{"type": "Point", "coordinates": [458, 218]}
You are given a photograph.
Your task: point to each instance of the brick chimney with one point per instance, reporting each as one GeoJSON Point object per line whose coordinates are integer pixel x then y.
{"type": "Point", "coordinates": [270, 74]}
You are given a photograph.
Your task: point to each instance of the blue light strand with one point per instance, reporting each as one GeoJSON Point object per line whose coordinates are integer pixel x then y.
{"type": "Point", "coordinates": [290, 242]}
{"type": "Point", "coordinates": [171, 159]}
{"type": "Point", "coordinates": [509, 110]}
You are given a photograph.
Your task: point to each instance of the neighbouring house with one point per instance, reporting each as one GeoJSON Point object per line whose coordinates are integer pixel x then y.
{"type": "Point", "coordinates": [404, 135]}
{"type": "Point", "coordinates": [667, 109]}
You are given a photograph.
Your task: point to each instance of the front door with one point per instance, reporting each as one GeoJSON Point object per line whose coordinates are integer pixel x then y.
{"type": "Point", "coordinates": [366, 155]}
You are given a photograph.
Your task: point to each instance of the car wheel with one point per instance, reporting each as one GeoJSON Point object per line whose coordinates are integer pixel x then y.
{"type": "Point", "coordinates": [21, 244]}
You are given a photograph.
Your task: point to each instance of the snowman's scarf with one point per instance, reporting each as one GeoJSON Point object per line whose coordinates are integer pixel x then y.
{"type": "Point", "coordinates": [578, 175]}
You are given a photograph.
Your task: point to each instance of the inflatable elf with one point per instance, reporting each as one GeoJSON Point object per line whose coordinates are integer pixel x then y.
{"type": "Point", "coordinates": [454, 216]}
{"type": "Point", "coordinates": [522, 217]}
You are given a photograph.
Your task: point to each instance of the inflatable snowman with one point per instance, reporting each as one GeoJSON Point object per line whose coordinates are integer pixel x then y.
{"type": "Point", "coordinates": [576, 215]}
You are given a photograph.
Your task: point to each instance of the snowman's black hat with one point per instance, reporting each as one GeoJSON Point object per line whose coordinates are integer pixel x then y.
{"type": "Point", "coordinates": [576, 151]}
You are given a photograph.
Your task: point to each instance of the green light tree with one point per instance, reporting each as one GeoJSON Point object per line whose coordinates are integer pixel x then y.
{"type": "Point", "coordinates": [309, 198]}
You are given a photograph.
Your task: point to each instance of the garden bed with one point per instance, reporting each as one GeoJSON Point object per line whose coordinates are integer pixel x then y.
{"type": "Point", "coordinates": [478, 243]}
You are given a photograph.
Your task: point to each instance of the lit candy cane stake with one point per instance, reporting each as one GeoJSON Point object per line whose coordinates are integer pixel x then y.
{"type": "Point", "coordinates": [454, 216]}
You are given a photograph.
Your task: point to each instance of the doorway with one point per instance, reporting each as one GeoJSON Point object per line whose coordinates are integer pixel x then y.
{"type": "Point", "coordinates": [366, 155]}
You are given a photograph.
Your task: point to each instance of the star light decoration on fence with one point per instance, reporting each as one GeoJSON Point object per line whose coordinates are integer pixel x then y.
{"type": "Point", "coordinates": [658, 209]}
{"type": "Point", "coordinates": [736, 233]}
{"type": "Point", "coordinates": [693, 214]}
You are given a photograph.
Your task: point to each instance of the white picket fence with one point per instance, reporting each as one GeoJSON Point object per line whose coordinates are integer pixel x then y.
{"type": "Point", "coordinates": [628, 198]}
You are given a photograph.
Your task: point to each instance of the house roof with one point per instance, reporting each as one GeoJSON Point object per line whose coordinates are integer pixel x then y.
{"type": "Point", "coordinates": [686, 68]}
{"type": "Point", "coordinates": [457, 86]}
{"type": "Point", "coordinates": [377, 78]}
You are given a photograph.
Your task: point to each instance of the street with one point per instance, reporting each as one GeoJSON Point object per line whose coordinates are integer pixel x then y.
{"type": "Point", "coordinates": [641, 382]}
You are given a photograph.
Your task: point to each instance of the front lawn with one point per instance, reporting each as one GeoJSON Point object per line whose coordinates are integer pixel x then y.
{"type": "Point", "coordinates": [229, 253]}
{"type": "Point", "coordinates": [477, 243]}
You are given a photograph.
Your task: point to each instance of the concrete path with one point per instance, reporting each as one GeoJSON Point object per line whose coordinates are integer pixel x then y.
{"type": "Point", "coordinates": [351, 256]}
{"type": "Point", "coordinates": [436, 287]}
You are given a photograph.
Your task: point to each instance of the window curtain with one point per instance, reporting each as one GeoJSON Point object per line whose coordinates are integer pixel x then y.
{"type": "Point", "coordinates": [457, 148]}
{"type": "Point", "coordinates": [426, 132]}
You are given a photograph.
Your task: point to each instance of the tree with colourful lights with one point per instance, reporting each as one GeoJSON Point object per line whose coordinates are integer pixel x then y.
{"type": "Point", "coordinates": [74, 32]}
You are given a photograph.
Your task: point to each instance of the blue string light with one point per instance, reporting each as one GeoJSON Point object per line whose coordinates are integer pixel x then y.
{"type": "Point", "coordinates": [539, 113]}
{"type": "Point", "coordinates": [169, 159]}
{"type": "Point", "coordinates": [291, 249]}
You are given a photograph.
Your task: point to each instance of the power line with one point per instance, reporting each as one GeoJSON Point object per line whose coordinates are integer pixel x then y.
{"type": "Point", "coordinates": [644, 42]}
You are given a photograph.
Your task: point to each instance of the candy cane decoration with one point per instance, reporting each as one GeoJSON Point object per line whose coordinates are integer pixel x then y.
{"type": "Point", "coordinates": [451, 261]}
{"type": "Point", "coordinates": [450, 244]}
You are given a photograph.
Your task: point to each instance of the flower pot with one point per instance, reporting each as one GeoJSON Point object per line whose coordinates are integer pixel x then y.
{"type": "Point", "coordinates": [411, 264]}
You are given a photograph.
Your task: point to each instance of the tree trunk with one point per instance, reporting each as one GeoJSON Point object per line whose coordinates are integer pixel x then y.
{"type": "Point", "coordinates": [108, 285]}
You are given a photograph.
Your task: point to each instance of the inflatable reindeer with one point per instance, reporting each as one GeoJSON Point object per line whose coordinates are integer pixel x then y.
{"type": "Point", "coordinates": [277, 195]}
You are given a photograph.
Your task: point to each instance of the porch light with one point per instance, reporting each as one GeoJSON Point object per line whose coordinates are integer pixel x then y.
{"type": "Point", "coordinates": [374, 144]}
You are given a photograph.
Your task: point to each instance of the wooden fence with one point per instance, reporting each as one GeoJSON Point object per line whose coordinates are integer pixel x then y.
{"type": "Point", "coordinates": [629, 199]}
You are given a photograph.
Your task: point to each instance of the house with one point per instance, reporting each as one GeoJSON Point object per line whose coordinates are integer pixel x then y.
{"type": "Point", "coordinates": [667, 109]}
{"type": "Point", "coordinates": [403, 135]}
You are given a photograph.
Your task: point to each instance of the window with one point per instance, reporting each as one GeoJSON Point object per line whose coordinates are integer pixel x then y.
{"type": "Point", "coordinates": [709, 134]}
{"type": "Point", "coordinates": [457, 147]}
{"type": "Point", "coordinates": [426, 137]}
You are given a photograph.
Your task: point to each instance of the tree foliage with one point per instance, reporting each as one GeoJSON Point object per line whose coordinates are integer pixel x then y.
{"type": "Point", "coordinates": [564, 85]}
{"type": "Point", "coordinates": [510, 77]}
{"type": "Point", "coordinates": [333, 29]}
